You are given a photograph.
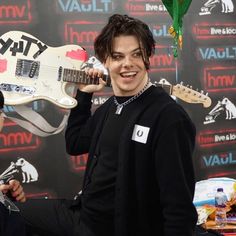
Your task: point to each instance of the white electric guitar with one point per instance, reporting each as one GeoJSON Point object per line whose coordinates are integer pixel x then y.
{"type": "Point", "coordinates": [30, 70]}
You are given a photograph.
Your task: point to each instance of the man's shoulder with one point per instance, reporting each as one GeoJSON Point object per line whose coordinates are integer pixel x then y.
{"type": "Point", "coordinates": [164, 104]}
{"type": "Point", "coordinates": [160, 98]}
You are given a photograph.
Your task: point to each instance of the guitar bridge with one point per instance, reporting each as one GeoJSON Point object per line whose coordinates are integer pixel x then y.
{"type": "Point", "coordinates": [27, 68]}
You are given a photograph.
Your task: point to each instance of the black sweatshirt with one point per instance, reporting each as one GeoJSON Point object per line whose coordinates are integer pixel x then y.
{"type": "Point", "coordinates": [154, 182]}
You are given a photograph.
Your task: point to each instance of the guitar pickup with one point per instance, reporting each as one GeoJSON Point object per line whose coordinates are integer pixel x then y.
{"type": "Point", "coordinates": [33, 69]}
{"type": "Point", "coordinates": [27, 68]}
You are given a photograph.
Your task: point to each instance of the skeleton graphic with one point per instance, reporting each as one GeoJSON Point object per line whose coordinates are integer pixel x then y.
{"type": "Point", "coordinates": [28, 171]}
{"type": "Point", "coordinates": [93, 62]}
{"type": "Point", "coordinates": [227, 6]}
{"type": "Point", "coordinates": [224, 105]}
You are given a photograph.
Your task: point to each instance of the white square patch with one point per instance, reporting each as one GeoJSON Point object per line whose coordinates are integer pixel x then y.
{"type": "Point", "coordinates": [140, 134]}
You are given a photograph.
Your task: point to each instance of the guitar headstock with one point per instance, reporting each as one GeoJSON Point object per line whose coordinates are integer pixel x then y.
{"type": "Point", "coordinates": [189, 95]}
{"type": "Point", "coordinates": [185, 93]}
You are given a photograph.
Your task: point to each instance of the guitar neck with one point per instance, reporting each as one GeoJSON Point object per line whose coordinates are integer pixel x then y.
{"type": "Point", "coordinates": [79, 76]}
{"type": "Point", "coordinates": [185, 93]}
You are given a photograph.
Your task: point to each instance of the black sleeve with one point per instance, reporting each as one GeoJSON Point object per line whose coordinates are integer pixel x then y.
{"type": "Point", "coordinates": [80, 125]}
{"type": "Point", "coordinates": [175, 174]}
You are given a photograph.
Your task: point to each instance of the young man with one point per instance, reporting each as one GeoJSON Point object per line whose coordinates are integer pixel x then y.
{"type": "Point", "coordinates": [139, 179]}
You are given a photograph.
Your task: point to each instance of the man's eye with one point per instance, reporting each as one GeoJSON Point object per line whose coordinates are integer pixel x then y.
{"type": "Point", "coordinates": [137, 54]}
{"type": "Point", "coordinates": [116, 57]}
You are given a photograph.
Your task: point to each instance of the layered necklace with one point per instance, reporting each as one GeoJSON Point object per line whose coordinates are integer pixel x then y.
{"type": "Point", "coordinates": [119, 106]}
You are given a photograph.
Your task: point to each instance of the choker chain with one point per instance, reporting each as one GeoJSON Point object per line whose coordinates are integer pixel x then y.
{"type": "Point", "coordinates": [119, 106]}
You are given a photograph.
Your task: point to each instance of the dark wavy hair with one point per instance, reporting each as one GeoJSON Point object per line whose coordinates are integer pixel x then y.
{"type": "Point", "coordinates": [1, 100]}
{"type": "Point", "coordinates": [124, 25]}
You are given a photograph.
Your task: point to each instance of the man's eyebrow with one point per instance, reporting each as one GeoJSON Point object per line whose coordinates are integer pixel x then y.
{"type": "Point", "coordinates": [135, 50]}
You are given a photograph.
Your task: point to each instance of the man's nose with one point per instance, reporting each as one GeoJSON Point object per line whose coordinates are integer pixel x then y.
{"type": "Point", "coordinates": [128, 61]}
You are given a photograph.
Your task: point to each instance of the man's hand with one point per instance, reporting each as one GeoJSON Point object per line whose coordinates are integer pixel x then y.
{"type": "Point", "coordinates": [15, 189]}
{"type": "Point", "coordinates": [90, 88]}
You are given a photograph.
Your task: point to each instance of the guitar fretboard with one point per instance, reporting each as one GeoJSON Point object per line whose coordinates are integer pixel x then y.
{"type": "Point", "coordinates": [30, 68]}
{"type": "Point", "coordinates": [79, 76]}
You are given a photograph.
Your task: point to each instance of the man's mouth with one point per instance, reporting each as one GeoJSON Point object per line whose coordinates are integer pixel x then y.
{"type": "Point", "coordinates": [128, 74]}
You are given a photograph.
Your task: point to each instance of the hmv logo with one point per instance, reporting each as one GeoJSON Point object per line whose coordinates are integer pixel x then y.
{"type": "Point", "coordinates": [227, 6]}
{"type": "Point", "coordinates": [220, 78]}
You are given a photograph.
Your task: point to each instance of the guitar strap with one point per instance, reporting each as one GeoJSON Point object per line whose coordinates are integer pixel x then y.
{"type": "Point", "coordinates": [39, 126]}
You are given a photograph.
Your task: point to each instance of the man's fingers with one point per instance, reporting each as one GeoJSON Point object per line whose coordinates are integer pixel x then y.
{"type": "Point", "coordinates": [14, 184]}
{"type": "Point", "coordinates": [94, 73]}
{"type": "Point", "coordinates": [16, 190]}
{"type": "Point", "coordinates": [4, 188]}
{"type": "Point", "coordinates": [21, 197]}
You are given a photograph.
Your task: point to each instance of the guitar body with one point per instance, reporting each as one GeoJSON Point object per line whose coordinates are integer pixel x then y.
{"type": "Point", "coordinates": [30, 70]}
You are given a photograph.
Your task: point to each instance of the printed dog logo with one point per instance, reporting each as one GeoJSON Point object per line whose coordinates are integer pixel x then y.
{"type": "Point", "coordinates": [29, 172]}
{"type": "Point", "coordinates": [225, 105]}
{"type": "Point", "coordinates": [227, 6]}
{"type": "Point", "coordinates": [230, 109]}
{"type": "Point", "coordinates": [21, 166]}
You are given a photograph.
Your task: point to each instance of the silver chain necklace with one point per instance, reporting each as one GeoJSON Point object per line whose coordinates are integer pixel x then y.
{"type": "Point", "coordinates": [119, 106]}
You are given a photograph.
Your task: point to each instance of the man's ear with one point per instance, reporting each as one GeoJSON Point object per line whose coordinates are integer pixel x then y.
{"type": "Point", "coordinates": [106, 63]}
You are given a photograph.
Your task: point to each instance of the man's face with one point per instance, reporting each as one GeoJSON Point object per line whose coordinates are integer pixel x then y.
{"type": "Point", "coordinates": [126, 67]}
